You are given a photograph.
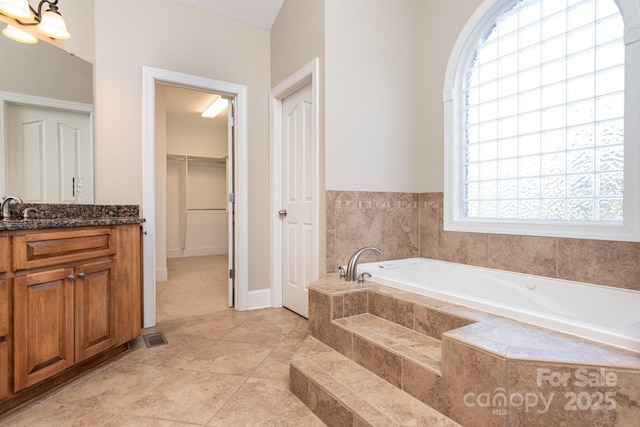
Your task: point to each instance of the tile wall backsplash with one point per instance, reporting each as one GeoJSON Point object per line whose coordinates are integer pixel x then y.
{"type": "Point", "coordinates": [388, 221]}
{"type": "Point", "coordinates": [404, 225]}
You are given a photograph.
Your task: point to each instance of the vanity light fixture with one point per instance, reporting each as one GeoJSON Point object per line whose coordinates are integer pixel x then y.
{"type": "Point", "coordinates": [49, 22]}
{"type": "Point", "coordinates": [18, 35]}
{"type": "Point", "coordinates": [216, 108]}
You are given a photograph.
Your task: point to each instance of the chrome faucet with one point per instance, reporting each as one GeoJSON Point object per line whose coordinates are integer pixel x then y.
{"type": "Point", "coordinates": [5, 214]}
{"type": "Point", "coordinates": [352, 267]}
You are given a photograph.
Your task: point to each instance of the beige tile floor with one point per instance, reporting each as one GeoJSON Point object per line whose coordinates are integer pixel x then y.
{"type": "Point", "coordinates": [219, 368]}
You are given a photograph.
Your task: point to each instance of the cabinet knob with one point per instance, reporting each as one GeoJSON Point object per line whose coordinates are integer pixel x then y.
{"type": "Point", "coordinates": [81, 275]}
{"type": "Point", "coordinates": [71, 277]}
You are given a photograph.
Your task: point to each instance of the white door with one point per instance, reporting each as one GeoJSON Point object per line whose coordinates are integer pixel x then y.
{"type": "Point", "coordinates": [298, 184]}
{"type": "Point", "coordinates": [231, 199]}
{"type": "Point", "coordinates": [50, 155]}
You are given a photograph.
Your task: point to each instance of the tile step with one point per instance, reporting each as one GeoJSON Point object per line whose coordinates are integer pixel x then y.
{"type": "Point", "coordinates": [341, 392]}
{"type": "Point", "coordinates": [387, 336]}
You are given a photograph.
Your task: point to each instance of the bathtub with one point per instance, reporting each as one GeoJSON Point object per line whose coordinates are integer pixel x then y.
{"type": "Point", "coordinates": [599, 313]}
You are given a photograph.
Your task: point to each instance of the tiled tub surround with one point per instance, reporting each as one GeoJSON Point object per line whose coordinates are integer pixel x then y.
{"type": "Point", "coordinates": [389, 221]}
{"type": "Point", "coordinates": [68, 215]}
{"type": "Point", "coordinates": [406, 225]}
{"type": "Point", "coordinates": [477, 369]}
{"type": "Point", "coordinates": [598, 313]}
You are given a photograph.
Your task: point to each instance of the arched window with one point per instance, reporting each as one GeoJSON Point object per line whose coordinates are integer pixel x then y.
{"type": "Point", "coordinates": [542, 120]}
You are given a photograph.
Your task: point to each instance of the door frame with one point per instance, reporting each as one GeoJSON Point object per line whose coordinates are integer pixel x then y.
{"type": "Point", "coordinates": [151, 76]}
{"type": "Point", "coordinates": [310, 73]}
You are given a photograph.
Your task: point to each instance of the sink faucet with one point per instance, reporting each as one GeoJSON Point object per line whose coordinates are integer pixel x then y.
{"type": "Point", "coordinates": [5, 215]}
{"type": "Point", "coordinates": [352, 267]}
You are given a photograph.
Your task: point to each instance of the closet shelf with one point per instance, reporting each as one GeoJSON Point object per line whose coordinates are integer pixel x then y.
{"type": "Point", "coordinates": [183, 158]}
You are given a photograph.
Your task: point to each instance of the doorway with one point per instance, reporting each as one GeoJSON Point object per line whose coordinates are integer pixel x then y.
{"type": "Point", "coordinates": [296, 238]}
{"type": "Point", "coordinates": [151, 158]}
{"type": "Point", "coordinates": [194, 218]}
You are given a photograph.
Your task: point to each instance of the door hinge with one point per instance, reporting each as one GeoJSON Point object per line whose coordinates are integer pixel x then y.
{"type": "Point", "coordinates": [232, 121]}
{"type": "Point", "coordinates": [232, 274]}
{"type": "Point", "coordinates": [232, 197]}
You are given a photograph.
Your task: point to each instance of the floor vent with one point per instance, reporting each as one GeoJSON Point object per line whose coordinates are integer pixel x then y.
{"type": "Point", "coordinates": [154, 339]}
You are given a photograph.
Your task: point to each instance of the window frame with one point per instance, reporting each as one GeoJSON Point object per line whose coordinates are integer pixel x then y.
{"type": "Point", "coordinates": [453, 219]}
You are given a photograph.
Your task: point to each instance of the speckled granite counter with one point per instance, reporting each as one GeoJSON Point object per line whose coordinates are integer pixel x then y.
{"type": "Point", "coordinates": [66, 216]}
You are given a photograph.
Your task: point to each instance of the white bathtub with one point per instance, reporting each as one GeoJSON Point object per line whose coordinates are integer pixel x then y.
{"type": "Point", "coordinates": [600, 313]}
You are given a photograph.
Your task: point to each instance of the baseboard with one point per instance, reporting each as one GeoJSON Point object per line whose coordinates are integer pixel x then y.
{"type": "Point", "coordinates": [259, 299]}
{"type": "Point", "coordinates": [211, 250]}
{"type": "Point", "coordinates": [162, 275]}
{"type": "Point", "coordinates": [174, 253]}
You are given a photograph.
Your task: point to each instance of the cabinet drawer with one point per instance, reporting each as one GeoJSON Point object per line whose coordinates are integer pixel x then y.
{"type": "Point", "coordinates": [4, 254]}
{"type": "Point", "coordinates": [4, 308]}
{"type": "Point", "coordinates": [33, 250]}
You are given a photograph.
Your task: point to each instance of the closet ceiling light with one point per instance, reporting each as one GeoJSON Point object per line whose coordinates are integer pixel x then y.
{"type": "Point", "coordinates": [216, 108]}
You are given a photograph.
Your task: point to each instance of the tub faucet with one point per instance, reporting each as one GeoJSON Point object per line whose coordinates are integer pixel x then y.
{"type": "Point", "coordinates": [352, 267]}
{"type": "Point", "coordinates": [5, 214]}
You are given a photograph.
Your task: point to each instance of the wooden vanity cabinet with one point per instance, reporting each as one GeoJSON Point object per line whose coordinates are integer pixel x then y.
{"type": "Point", "coordinates": [74, 292]}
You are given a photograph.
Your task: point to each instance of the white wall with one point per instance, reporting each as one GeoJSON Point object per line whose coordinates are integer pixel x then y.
{"type": "Point", "coordinates": [167, 35]}
{"type": "Point", "coordinates": [195, 139]}
{"type": "Point", "coordinates": [440, 23]}
{"type": "Point", "coordinates": [372, 95]}
{"type": "Point", "coordinates": [297, 37]}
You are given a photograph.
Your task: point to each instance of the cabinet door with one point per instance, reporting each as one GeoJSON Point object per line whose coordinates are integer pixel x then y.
{"type": "Point", "coordinates": [94, 308]}
{"type": "Point", "coordinates": [129, 282]}
{"type": "Point", "coordinates": [43, 325]}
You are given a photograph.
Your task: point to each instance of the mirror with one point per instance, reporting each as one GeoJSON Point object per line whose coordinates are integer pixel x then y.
{"type": "Point", "coordinates": [46, 124]}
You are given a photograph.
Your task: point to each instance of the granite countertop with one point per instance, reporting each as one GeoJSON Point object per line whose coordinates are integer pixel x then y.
{"type": "Point", "coordinates": [66, 216]}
